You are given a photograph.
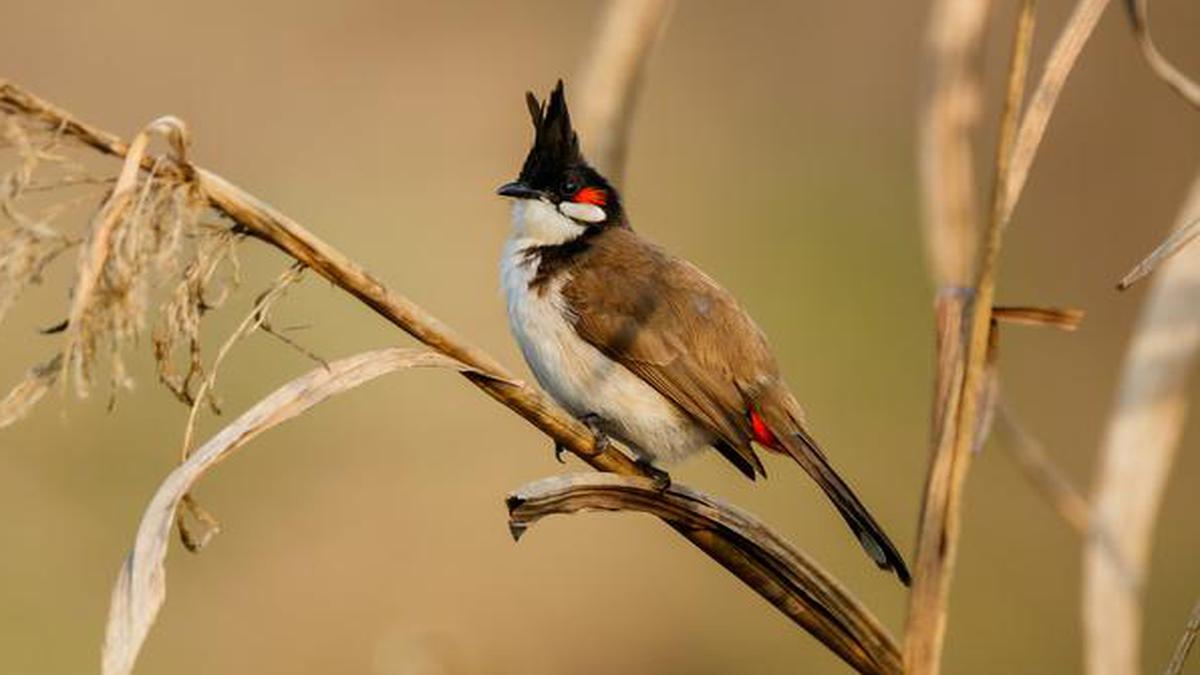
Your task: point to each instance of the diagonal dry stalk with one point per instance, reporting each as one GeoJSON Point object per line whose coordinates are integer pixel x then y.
{"type": "Point", "coordinates": [260, 220]}
{"type": "Point", "coordinates": [1136, 456]}
{"type": "Point", "coordinates": [1185, 643]}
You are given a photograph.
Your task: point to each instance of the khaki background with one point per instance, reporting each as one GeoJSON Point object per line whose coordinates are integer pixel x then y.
{"type": "Point", "coordinates": [773, 146]}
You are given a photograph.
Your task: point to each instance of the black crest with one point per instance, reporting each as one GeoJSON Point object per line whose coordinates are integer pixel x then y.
{"type": "Point", "coordinates": [555, 145]}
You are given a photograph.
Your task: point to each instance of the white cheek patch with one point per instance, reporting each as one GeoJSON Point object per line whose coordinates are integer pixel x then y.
{"type": "Point", "coordinates": [588, 213]}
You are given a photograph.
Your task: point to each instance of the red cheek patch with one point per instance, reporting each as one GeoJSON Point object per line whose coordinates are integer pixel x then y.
{"type": "Point", "coordinates": [590, 195]}
{"type": "Point", "coordinates": [762, 432]}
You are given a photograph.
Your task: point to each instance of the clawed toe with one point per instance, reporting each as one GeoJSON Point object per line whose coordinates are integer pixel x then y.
{"type": "Point", "coordinates": [662, 479]}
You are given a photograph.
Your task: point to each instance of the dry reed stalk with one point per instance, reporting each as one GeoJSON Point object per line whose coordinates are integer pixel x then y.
{"type": "Point", "coordinates": [948, 119]}
{"type": "Point", "coordinates": [612, 77]}
{"type": "Point", "coordinates": [1135, 458]}
{"type": "Point", "coordinates": [255, 218]}
{"type": "Point", "coordinates": [964, 332]}
{"type": "Point", "coordinates": [961, 420]}
{"type": "Point", "coordinates": [141, 586]}
{"type": "Point", "coordinates": [686, 509]}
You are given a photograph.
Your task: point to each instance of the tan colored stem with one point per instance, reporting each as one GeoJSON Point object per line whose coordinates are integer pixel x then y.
{"type": "Point", "coordinates": [965, 355]}
{"type": "Point", "coordinates": [611, 80]}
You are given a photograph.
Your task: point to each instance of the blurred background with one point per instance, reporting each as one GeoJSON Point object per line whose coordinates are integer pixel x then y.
{"type": "Point", "coordinates": [773, 146]}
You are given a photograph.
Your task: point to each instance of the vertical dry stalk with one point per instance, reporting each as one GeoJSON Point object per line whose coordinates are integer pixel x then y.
{"type": "Point", "coordinates": [1138, 448]}
{"type": "Point", "coordinates": [949, 117]}
{"type": "Point", "coordinates": [612, 77]}
{"type": "Point", "coordinates": [937, 545]}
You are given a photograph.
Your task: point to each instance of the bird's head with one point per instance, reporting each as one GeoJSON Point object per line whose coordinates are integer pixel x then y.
{"type": "Point", "coordinates": [558, 195]}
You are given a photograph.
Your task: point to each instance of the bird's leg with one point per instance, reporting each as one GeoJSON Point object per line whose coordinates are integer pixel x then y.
{"type": "Point", "coordinates": [662, 479]}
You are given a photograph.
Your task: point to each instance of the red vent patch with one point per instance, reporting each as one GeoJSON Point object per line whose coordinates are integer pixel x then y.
{"type": "Point", "coordinates": [762, 432]}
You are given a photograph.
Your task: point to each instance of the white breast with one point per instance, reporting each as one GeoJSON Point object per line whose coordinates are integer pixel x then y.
{"type": "Point", "coordinates": [576, 374]}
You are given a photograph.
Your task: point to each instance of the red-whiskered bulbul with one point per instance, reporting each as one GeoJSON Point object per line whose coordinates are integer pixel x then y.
{"type": "Point", "coordinates": [640, 345]}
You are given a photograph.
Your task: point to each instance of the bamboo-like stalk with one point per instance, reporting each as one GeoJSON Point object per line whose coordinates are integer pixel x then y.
{"type": "Point", "coordinates": [879, 654]}
{"type": "Point", "coordinates": [937, 539]}
{"type": "Point", "coordinates": [1136, 456]}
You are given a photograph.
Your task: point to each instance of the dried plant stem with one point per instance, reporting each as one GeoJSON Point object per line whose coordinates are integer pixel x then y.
{"type": "Point", "coordinates": [1175, 79]}
{"type": "Point", "coordinates": [257, 218]}
{"type": "Point", "coordinates": [612, 77]}
{"type": "Point", "coordinates": [949, 118]}
{"type": "Point", "coordinates": [686, 509]}
{"type": "Point", "coordinates": [1185, 643]}
{"type": "Point", "coordinates": [1044, 474]}
{"type": "Point", "coordinates": [1136, 456]}
{"type": "Point", "coordinates": [937, 540]}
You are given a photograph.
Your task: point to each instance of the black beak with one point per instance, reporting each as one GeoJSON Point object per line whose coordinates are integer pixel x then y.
{"type": "Point", "coordinates": [518, 190]}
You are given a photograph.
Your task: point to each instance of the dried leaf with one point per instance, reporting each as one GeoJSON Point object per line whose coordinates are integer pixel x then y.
{"type": "Point", "coordinates": [838, 619]}
{"type": "Point", "coordinates": [141, 585]}
{"type": "Point", "coordinates": [1175, 242]}
{"type": "Point", "coordinates": [21, 399]}
{"type": "Point", "coordinates": [1054, 317]}
{"type": "Point", "coordinates": [1136, 455]}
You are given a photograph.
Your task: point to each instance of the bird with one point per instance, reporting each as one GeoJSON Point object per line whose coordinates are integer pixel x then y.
{"type": "Point", "coordinates": [640, 345]}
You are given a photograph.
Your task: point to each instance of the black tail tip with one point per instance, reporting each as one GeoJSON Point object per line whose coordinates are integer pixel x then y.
{"type": "Point", "coordinates": [885, 557]}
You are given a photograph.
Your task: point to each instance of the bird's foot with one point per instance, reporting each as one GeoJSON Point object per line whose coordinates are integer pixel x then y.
{"type": "Point", "coordinates": [662, 479]}
{"type": "Point", "coordinates": [600, 439]}
{"type": "Point", "coordinates": [559, 449]}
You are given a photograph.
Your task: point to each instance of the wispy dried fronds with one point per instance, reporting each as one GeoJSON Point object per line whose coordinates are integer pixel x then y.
{"type": "Point", "coordinates": [147, 232]}
{"type": "Point", "coordinates": [1136, 456]}
{"type": "Point", "coordinates": [141, 585]}
{"type": "Point", "coordinates": [256, 318]}
{"type": "Point", "coordinates": [21, 399]}
{"type": "Point", "coordinates": [200, 289]}
{"type": "Point", "coordinates": [29, 242]}
{"type": "Point", "coordinates": [836, 617]}
{"type": "Point", "coordinates": [1181, 83]}
{"type": "Point", "coordinates": [134, 239]}
{"type": "Point", "coordinates": [612, 78]}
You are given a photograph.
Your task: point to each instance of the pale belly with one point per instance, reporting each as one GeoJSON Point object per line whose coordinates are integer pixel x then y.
{"type": "Point", "coordinates": [583, 380]}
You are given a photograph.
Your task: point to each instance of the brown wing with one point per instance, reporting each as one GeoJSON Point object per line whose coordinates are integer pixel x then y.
{"type": "Point", "coordinates": [674, 327]}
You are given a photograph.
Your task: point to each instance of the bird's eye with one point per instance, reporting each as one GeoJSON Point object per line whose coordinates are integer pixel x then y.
{"type": "Point", "coordinates": [570, 188]}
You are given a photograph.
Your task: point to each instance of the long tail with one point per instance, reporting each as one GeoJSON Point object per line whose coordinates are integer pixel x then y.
{"type": "Point", "coordinates": [802, 448]}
